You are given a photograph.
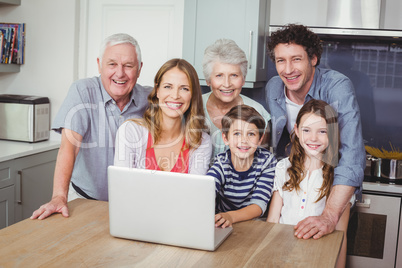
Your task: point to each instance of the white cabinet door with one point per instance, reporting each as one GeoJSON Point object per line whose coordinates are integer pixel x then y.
{"type": "Point", "coordinates": [244, 21]}
{"type": "Point", "coordinates": [157, 25]}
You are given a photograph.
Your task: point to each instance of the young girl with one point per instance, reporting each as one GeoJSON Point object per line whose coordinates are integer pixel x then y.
{"type": "Point", "coordinates": [303, 181]}
{"type": "Point", "coordinates": [170, 137]}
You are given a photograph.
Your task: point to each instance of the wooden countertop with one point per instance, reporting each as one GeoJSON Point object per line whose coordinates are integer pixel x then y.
{"type": "Point", "coordinates": [83, 240]}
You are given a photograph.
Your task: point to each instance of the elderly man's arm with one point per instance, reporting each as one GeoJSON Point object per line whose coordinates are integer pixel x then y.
{"type": "Point", "coordinates": [319, 226]}
{"type": "Point", "coordinates": [70, 145]}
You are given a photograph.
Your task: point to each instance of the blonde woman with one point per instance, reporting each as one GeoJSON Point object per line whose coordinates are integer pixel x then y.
{"type": "Point", "coordinates": [171, 135]}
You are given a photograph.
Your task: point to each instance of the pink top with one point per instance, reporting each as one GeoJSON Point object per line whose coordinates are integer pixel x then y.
{"type": "Point", "coordinates": [181, 165]}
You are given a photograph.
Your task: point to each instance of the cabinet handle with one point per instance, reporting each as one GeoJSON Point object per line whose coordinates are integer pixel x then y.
{"type": "Point", "coordinates": [364, 204]}
{"type": "Point", "coordinates": [265, 49]}
{"type": "Point", "coordinates": [19, 198]}
{"type": "Point", "coordinates": [250, 48]}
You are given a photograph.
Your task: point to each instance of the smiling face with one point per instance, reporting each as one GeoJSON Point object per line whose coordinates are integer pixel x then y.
{"type": "Point", "coordinates": [226, 81]}
{"type": "Point", "coordinates": [312, 134]}
{"type": "Point", "coordinates": [294, 67]}
{"type": "Point", "coordinates": [243, 139]}
{"type": "Point", "coordinates": [119, 70]}
{"type": "Point", "coordinates": [174, 93]}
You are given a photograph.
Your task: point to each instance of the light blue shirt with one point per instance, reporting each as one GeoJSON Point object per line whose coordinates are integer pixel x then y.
{"type": "Point", "coordinates": [337, 90]}
{"type": "Point", "coordinates": [90, 111]}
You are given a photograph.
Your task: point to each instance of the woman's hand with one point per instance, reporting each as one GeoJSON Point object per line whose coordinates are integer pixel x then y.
{"type": "Point", "coordinates": [223, 220]}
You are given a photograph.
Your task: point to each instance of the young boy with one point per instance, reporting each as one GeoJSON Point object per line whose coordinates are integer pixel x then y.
{"type": "Point", "coordinates": [244, 174]}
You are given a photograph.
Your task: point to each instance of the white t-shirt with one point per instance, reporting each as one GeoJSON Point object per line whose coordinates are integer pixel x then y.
{"type": "Point", "coordinates": [292, 110]}
{"type": "Point", "coordinates": [301, 204]}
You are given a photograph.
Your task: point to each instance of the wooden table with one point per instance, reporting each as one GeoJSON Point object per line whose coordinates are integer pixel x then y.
{"type": "Point", "coordinates": [83, 240]}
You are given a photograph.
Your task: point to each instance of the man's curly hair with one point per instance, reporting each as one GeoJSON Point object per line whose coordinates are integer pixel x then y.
{"type": "Point", "coordinates": [296, 34]}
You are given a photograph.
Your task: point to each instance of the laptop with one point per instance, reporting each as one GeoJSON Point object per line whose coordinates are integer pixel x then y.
{"type": "Point", "coordinates": [164, 207]}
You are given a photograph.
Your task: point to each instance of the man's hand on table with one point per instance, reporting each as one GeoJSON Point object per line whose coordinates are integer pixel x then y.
{"type": "Point", "coordinates": [315, 226]}
{"type": "Point", "coordinates": [318, 226]}
{"type": "Point", "coordinates": [56, 205]}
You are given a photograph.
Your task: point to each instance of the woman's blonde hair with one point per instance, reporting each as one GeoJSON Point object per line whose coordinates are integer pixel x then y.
{"type": "Point", "coordinates": [193, 121]}
{"type": "Point", "coordinates": [330, 155]}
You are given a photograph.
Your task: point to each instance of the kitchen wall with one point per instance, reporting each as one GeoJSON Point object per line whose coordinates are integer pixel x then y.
{"type": "Point", "coordinates": [51, 50]}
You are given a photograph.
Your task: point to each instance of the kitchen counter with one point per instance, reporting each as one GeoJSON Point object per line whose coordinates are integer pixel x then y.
{"type": "Point", "coordinates": [14, 149]}
{"type": "Point", "coordinates": [83, 240]}
{"type": "Point", "coordinates": [381, 185]}
{"type": "Point", "coordinates": [393, 189]}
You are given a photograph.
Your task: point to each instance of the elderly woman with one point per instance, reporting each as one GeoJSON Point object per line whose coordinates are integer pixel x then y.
{"type": "Point", "coordinates": [225, 69]}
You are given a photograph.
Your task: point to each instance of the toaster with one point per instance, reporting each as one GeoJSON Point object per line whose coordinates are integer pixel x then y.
{"type": "Point", "coordinates": [24, 118]}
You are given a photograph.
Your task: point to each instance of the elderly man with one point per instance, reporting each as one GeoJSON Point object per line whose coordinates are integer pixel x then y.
{"type": "Point", "coordinates": [296, 52]}
{"type": "Point", "coordinates": [88, 120]}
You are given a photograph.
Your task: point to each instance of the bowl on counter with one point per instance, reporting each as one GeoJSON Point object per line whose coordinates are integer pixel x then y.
{"type": "Point", "coordinates": [388, 169]}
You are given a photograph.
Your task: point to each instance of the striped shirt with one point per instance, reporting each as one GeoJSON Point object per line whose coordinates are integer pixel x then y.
{"type": "Point", "coordinates": [236, 190]}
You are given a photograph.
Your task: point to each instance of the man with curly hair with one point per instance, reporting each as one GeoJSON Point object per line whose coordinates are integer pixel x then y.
{"type": "Point", "coordinates": [296, 52]}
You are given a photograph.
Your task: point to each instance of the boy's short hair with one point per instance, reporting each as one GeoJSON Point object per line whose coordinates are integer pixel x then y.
{"type": "Point", "coordinates": [245, 113]}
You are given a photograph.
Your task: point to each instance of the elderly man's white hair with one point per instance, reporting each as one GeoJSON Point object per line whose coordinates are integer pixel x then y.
{"type": "Point", "coordinates": [120, 38]}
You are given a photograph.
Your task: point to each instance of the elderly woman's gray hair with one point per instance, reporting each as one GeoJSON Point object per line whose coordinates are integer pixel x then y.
{"type": "Point", "coordinates": [120, 38]}
{"type": "Point", "coordinates": [223, 51]}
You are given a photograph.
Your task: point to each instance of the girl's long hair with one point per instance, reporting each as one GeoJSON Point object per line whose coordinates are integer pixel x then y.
{"type": "Point", "coordinates": [330, 156]}
{"type": "Point", "coordinates": [193, 120]}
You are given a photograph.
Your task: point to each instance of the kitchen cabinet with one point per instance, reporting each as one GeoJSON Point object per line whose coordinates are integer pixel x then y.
{"type": "Point", "coordinates": [9, 68]}
{"type": "Point", "coordinates": [7, 206]}
{"type": "Point", "coordinates": [25, 184]}
{"type": "Point", "coordinates": [244, 21]}
{"type": "Point", "coordinates": [10, 2]}
{"type": "Point", "coordinates": [313, 13]}
{"type": "Point", "coordinates": [34, 184]}
{"type": "Point", "coordinates": [7, 194]}
{"type": "Point", "coordinates": [392, 18]}
{"type": "Point", "coordinates": [308, 12]}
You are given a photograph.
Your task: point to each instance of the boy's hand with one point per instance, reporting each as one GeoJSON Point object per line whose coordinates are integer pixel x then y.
{"type": "Point", "coordinates": [223, 220]}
